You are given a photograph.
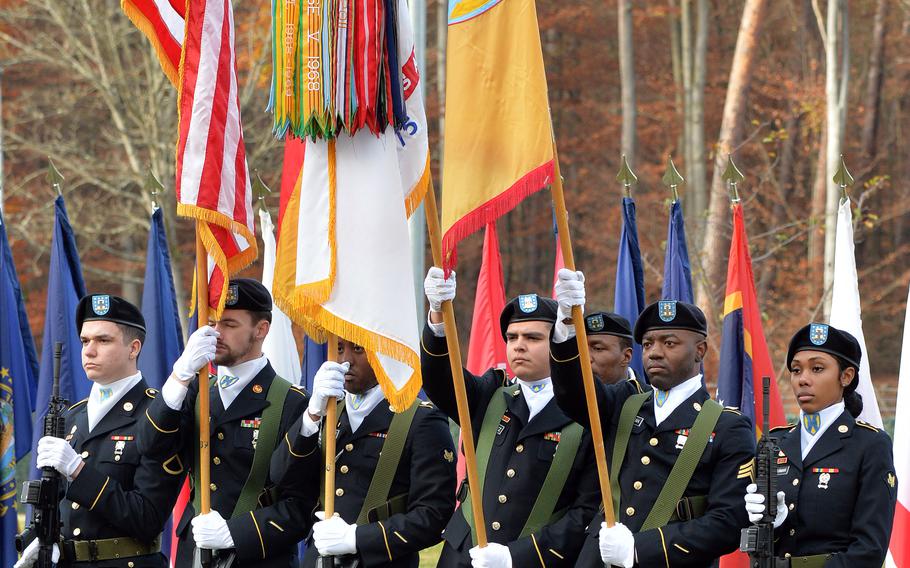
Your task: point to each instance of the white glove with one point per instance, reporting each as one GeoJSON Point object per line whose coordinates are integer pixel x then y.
{"type": "Point", "coordinates": [617, 545]}
{"type": "Point", "coordinates": [30, 555]}
{"type": "Point", "coordinates": [755, 505]}
{"type": "Point", "coordinates": [211, 531]}
{"type": "Point", "coordinates": [328, 382]}
{"type": "Point", "coordinates": [437, 288]}
{"type": "Point", "coordinates": [334, 537]}
{"type": "Point", "coordinates": [570, 291]}
{"type": "Point", "coordinates": [58, 454]}
{"type": "Point", "coordinates": [493, 555]}
{"type": "Point", "coordinates": [199, 352]}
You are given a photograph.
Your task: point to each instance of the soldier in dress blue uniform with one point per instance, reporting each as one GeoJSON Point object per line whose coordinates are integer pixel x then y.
{"type": "Point", "coordinates": [610, 346]}
{"type": "Point", "coordinates": [117, 499]}
{"type": "Point", "coordinates": [836, 472]}
{"type": "Point", "coordinates": [257, 513]}
{"type": "Point", "coordinates": [646, 434]}
{"type": "Point", "coordinates": [410, 515]}
{"type": "Point", "coordinates": [540, 482]}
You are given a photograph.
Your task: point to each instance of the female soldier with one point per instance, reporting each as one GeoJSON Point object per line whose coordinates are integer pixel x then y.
{"type": "Point", "coordinates": [836, 473]}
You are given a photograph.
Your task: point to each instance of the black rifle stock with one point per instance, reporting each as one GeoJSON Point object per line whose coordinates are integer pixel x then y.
{"type": "Point", "coordinates": [44, 494]}
{"type": "Point", "coordinates": [758, 539]}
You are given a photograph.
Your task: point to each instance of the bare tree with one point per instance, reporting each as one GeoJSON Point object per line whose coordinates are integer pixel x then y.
{"type": "Point", "coordinates": [730, 134]}
{"type": "Point", "coordinates": [835, 34]}
{"type": "Point", "coordinates": [874, 80]}
{"type": "Point", "coordinates": [91, 96]}
{"type": "Point", "coordinates": [627, 79]}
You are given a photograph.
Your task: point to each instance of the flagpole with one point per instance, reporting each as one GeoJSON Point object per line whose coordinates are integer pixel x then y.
{"type": "Point", "coordinates": [331, 422]}
{"type": "Point", "coordinates": [565, 242]}
{"type": "Point", "coordinates": [461, 397]}
{"type": "Point", "coordinates": [202, 318]}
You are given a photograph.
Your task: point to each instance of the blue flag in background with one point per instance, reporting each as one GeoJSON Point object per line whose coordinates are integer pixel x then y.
{"type": "Point", "coordinates": [629, 298]}
{"type": "Point", "coordinates": [677, 271]}
{"type": "Point", "coordinates": [18, 378]}
{"type": "Point", "coordinates": [64, 289]}
{"type": "Point", "coordinates": [164, 336]}
{"type": "Point", "coordinates": [314, 355]}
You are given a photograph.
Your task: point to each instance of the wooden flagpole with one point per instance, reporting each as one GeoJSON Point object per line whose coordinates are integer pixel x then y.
{"type": "Point", "coordinates": [202, 318]}
{"type": "Point", "coordinates": [565, 242]}
{"type": "Point", "coordinates": [330, 426]}
{"type": "Point", "coordinates": [461, 398]}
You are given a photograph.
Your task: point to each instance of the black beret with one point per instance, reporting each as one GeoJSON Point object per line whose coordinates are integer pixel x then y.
{"type": "Point", "coordinates": [670, 314]}
{"type": "Point", "coordinates": [247, 294]}
{"type": "Point", "coordinates": [105, 307]}
{"type": "Point", "coordinates": [608, 323]}
{"type": "Point", "coordinates": [827, 339]}
{"type": "Point", "coordinates": [527, 307]}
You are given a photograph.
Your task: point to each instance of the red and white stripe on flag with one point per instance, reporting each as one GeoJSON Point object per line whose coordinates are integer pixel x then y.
{"type": "Point", "coordinates": [163, 23]}
{"type": "Point", "coordinates": [213, 180]}
{"type": "Point", "coordinates": [899, 551]}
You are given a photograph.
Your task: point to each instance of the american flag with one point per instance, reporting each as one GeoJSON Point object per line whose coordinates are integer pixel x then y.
{"type": "Point", "coordinates": [213, 180]}
{"type": "Point", "coordinates": [163, 23]}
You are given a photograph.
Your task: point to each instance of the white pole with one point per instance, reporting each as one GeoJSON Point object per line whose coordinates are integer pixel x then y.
{"type": "Point", "coordinates": [417, 223]}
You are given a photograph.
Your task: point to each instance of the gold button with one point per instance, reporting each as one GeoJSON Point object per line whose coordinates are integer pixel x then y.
{"type": "Point", "coordinates": [503, 498]}
{"type": "Point", "coordinates": [787, 555]}
{"type": "Point", "coordinates": [85, 454]}
{"type": "Point", "coordinates": [510, 473]}
{"type": "Point", "coordinates": [696, 406]}
{"type": "Point", "coordinates": [116, 458]}
{"type": "Point", "coordinates": [792, 532]}
{"type": "Point", "coordinates": [520, 448]}
{"type": "Point", "coordinates": [653, 441]}
{"type": "Point", "coordinates": [213, 487]}
{"type": "Point", "coordinates": [349, 447]}
{"type": "Point", "coordinates": [792, 506]}
{"type": "Point", "coordinates": [221, 435]}
{"type": "Point", "coordinates": [637, 485]}
{"type": "Point", "coordinates": [75, 505]}
{"type": "Point", "coordinates": [496, 526]}
{"type": "Point", "coordinates": [645, 460]}
{"type": "Point", "coordinates": [216, 460]}
{"type": "Point", "coordinates": [630, 511]}
{"type": "Point", "coordinates": [339, 492]}
{"type": "Point", "coordinates": [77, 531]}
{"type": "Point", "coordinates": [344, 469]}
{"type": "Point", "coordinates": [842, 428]}
{"type": "Point", "coordinates": [796, 481]}
{"type": "Point", "coordinates": [130, 564]}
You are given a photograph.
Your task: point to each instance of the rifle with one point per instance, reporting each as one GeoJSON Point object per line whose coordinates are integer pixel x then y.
{"type": "Point", "coordinates": [44, 494]}
{"type": "Point", "coordinates": [758, 540]}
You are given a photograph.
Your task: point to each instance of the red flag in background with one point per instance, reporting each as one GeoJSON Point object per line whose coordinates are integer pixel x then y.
{"type": "Point", "coordinates": [487, 348]}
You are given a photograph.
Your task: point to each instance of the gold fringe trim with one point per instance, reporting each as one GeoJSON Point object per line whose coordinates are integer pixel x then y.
{"type": "Point", "coordinates": [419, 192]}
{"type": "Point", "coordinates": [148, 30]}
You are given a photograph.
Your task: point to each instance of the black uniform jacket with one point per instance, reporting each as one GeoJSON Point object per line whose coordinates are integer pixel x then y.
{"type": "Point", "coordinates": [521, 457]}
{"type": "Point", "coordinates": [268, 535]}
{"type": "Point", "coordinates": [721, 475]}
{"type": "Point", "coordinates": [120, 492]}
{"type": "Point", "coordinates": [847, 512]}
{"type": "Point", "coordinates": [424, 486]}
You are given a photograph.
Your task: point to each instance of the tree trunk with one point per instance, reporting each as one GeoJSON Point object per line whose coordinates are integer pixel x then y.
{"type": "Point", "coordinates": [874, 80]}
{"type": "Point", "coordinates": [627, 80]}
{"type": "Point", "coordinates": [837, 73]}
{"type": "Point", "coordinates": [715, 247]}
{"type": "Point", "coordinates": [685, 23]}
{"type": "Point", "coordinates": [698, 168]}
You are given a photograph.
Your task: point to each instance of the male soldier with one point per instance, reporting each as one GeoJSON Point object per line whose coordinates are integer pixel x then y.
{"type": "Point", "coordinates": [412, 452]}
{"type": "Point", "coordinates": [118, 498]}
{"type": "Point", "coordinates": [610, 345]}
{"type": "Point", "coordinates": [255, 513]}
{"type": "Point", "coordinates": [683, 462]}
{"type": "Point", "coordinates": [536, 467]}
